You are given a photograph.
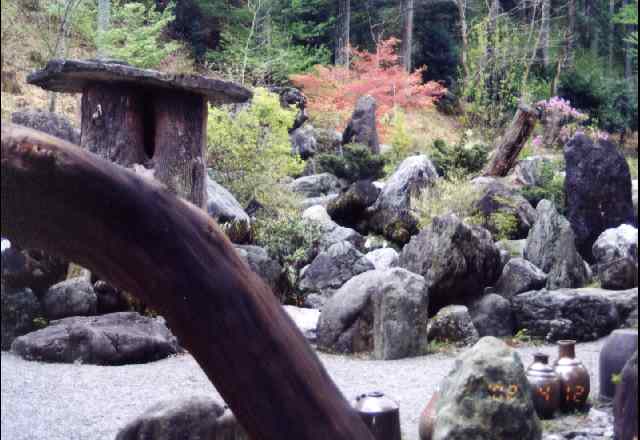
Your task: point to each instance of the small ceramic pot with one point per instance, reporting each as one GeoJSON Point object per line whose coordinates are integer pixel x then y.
{"type": "Point", "coordinates": [546, 386]}
{"type": "Point", "coordinates": [617, 350]}
{"type": "Point", "coordinates": [576, 383]}
{"type": "Point", "coordinates": [380, 414]}
{"type": "Point", "coordinates": [428, 418]}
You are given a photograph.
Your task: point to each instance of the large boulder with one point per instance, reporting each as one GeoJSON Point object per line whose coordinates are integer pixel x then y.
{"type": "Point", "coordinates": [626, 402]}
{"type": "Point", "coordinates": [362, 128]}
{"type": "Point", "coordinates": [73, 297]}
{"type": "Point", "coordinates": [53, 124]}
{"type": "Point", "coordinates": [331, 269]}
{"type": "Point", "coordinates": [598, 188]}
{"type": "Point", "coordinates": [391, 215]}
{"type": "Point", "coordinates": [531, 171]}
{"type": "Point", "coordinates": [306, 320]}
{"type": "Point", "coordinates": [261, 263]}
{"type": "Point", "coordinates": [317, 185]}
{"type": "Point", "coordinates": [19, 308]}
{"type": "Point", "coordinates": [384, 312]}
{"type": "Point", "coordinates": [458, 261]}
{"type": "Point", "coordinates": [616, 257]}
{"type": "Point", "coordinates": [383, 259]}
{"type": "Point", "coordinates": [303, 142]}
{"type": "Point", "coordinates": [114, 339]}
{"type": "Point", "coordinates": [332, 232]}
{"type": "Point", "coordinates": [492, 316]}
{"type": "Point", "coordinates": [110, 298]}
{"type": "Point", "coordinates": [582, 315]}
{"type": "Point", "coordinates": [222, 206]}
{"type": "Point", "coordinates": [350, 207]}
{"type": "Point", "coordinates": [453, 325]}
{"type": "Point", "coordinates": [551, 247]}
{"type": "Point", "coordinates": [497, 201]}
{"type": "Point", "coordinates": [32, 269]}
{"type": "Point", "coordinates": [486, 397]}
{"type": "Point", "coordinates": [520, 276]}
{"type": "Point", "coordinates": [194, 418]}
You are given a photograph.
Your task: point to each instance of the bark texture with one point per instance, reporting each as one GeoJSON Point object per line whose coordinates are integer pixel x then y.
{"type": "Point", "coordinates": [344, 33]}
{"type": "Point", "coordinates": [408, 14]}
{"type": "Point", "coordinates": [143, 239]}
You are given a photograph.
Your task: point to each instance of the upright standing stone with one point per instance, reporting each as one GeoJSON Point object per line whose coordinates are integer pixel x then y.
{"type": "Point", "coordinates": [362, 128]}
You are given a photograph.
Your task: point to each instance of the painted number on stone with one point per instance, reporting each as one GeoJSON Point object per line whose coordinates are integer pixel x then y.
{"type": "Point", "coordinates": [503, 392]}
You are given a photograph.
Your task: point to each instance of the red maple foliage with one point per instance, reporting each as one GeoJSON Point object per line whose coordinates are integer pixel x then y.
{"type": "Point", "coordinates": [381, 75]}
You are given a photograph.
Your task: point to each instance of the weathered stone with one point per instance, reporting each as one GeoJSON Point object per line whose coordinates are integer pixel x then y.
{"type": "Point", "coordinates": [53, 124]}
{"type": "Point", "coordinates": [384, 312]}
{"type": "Point", "coordinates": [331, 269]}
{"type": "Point", "coordinates": [306, 320]}
{"type": "Point", "coordinates": [350, 207]}
{"type": "Point", "coordinates": [453, 325]}
{"type": "Point", "coordinates": [492, 316]}
{"type": "Point", "coordinates": [362, 128]}
{"type": "Point", "coordinates": [19, 309]}
{"type": "Point", "coordinates": [74, 297]}
{"type": "Point", "coordinates": [259, 261]}
{"type": "Point", "coordinates": [332, 233]}
{"type": "Point", "coordinates": [114, 339]}
{"type": "Point", "coordinates": [32, 268]}
{"type": "Point", "coordinates": [71, 76]}
{"type": "Point", "coordinates": [195, 418]}
{"type": "Point", "coordinates": [598, 188]}
{"type": "Point", "coordinates": [329, 141]}
{"type": "Point", "coordinates": [551, 247]}
{"type": "Point", "coordinates": [616, 256]}
{"type": "Point", "coordinates": [514, 248]}
{"type": "Point", "coordinates": [318, 201]}
{"type": "Point", "coordinates": [498, 200]}
{"type": "Point", "coordinates": [626, 402]}
{"type": "Point", "coordinates": [110, 299]}
{"type": "Point", "coordinates": [303, 142]}
{"type": "Point", "coordinates": [222, 206]}
{"type": "Point", "coordinates": [384, 259]}
{"type": "Point", "coordinates": [582, 315]}
{"type": "Point", "coordinates": [520, 276]}
{"type": "Point", "coordinates": [318, 185]}
{"type": "Point", "coordinates": [530, 171]}
{"type": "Point", "coordinates": [487, 397]}
{"type": "Point", "coordinates": [458, 261]}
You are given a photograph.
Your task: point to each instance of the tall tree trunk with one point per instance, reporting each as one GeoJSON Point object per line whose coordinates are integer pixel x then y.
{"type": "Point", "coordinates": [572, 14]}
{"type": "Point", "coordinates": [408, 14]}
{"type": "Point", "coordinates": [464, 36]}
{"type": "Point", "coordinates": [104, 20]}
{"type": "Point", "coordinates": [628, 57]}
{"type": "Point", "coordinates": [612, 34]}
{"type": "Point", "coordinates": [491, 50]}
{"type": "Point", "coordinates": [546, 33]}
{"type": "Point", "coordinates": [344, 33]}
{"type": "Point", "coordinates": [144, 240]}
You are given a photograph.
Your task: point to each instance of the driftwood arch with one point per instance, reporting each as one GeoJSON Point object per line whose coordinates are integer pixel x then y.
{"type": "Point", "coordinates": [133, 232]}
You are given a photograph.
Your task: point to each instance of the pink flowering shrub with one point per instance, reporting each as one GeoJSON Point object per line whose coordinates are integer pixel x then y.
{"type": "Point", "coordinates": [560, 121]}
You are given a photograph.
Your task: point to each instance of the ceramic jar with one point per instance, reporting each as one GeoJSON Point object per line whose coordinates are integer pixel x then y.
{"type": "Point", "coordinates": [380, 414]}
{"type": "Point", "coordinates": [546, 386]}
{"type": "Point", "coordinates": [617, 350]}
{"type": "Point", "coordinates": [576, 383]}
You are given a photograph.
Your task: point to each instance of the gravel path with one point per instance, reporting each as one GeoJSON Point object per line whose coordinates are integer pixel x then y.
{"type": "Point", "coordinates": [85, 402]}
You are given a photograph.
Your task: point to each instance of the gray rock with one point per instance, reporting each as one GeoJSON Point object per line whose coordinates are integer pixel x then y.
{"type": "Point", "coordinates": [349, 208]}
{"type": "Point", "coordinates": [195, 418]}
{"type": "Point", "coordinates": [331, 269]}
{"type": "Point", "coordinates": [551, 247]}
{"type": "Point", "coordinates": [457, 260]}
{"type": "Point", "coordinates": [520, 276]}
{"type": "Point", "coordinates": [222, 206]}
{"type": "Point", "coordinates": [616, 256]}
{"type": "Point", "coordinates": [306, 320]}
{"type": "Point", "coordinates": [18, 308]}
{"type": "Point", "coordinates": [453, 325]}
{"type": "Point", "coordinates": [332, 232]}
{"type": "Point", "coordinates": [362, 128]}
{"type": "Point", "coordinates": [318, 201]}
{"type": "Point", "coordinates": [530, 171]}
{"type": "Point", "coordinates": [384, 312]}
{"type": "Point", "coordinates": [261, 263]}
{"type": "Point", "coordinates": [317, 185]}
{"type": "Point", "coordinates": [496, 199]}
{"type": "Point", "coordinates": [329, 141]}
{"type": "Point", "coordinates": [492, 316]}
{"type": "Point", "coordinates": [303, 142]}
{"type": "Point", "coordinates": [33, 269]}
{"type": "Point", "coordinates": [515, 248]}
{"type": "Point", "coordinates": [114, 339]}
{"type": "Point", "coordinates": [53, 124]}
{"type": "Point", "coordinates": [626, 301]}
{"type": "Point", "coordinates": [598, 188]}
{"type": "Point", "coordinates": [110, 299]}
{"type": "Point", "coordinates": [384, 259]}
{"type": "Point", "coordinates": [486, 397]}
{"type": "Point", "coordinates": [74, 297]}
{"type": "Point", "coordinates": [391, 215]}
{"type": "Point", "coordinates": [315, 301]}
{"type": "Point", "coordinates": [582, 315]}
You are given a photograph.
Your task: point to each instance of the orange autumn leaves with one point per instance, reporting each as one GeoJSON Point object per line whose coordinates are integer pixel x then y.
{"type": "Point", "coordinates": [336, 89]}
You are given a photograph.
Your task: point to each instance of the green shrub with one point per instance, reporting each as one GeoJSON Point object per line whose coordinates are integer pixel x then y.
{"type": "Point", "coordinates": [455, 195]}
{"type": "Point", "coordinates": [461, 158]}
{"type": "Point", "coordinates": [401, 142]}
{"type": "Point", "coordinates": [503, 225]}
{"type": "Point", "coordinates": [551, 187]}
{"type": "Point", "coordinates": [355, 163]}
{"type": "Point", "coordinates": [250, 152]}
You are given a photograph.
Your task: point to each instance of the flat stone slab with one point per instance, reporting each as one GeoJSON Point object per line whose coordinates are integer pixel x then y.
{"type": "Point", "coordinates": [72, 76]}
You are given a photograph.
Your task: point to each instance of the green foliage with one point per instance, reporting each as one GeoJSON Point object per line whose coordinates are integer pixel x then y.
{"type": "Point", "coordinates": [401, 142]}
{"type": "Point", "coordinates": [461, 158]}
{"type": "Point", "coordinates": [629, 16]}
{"type": "Point", "coordinates": [135, 35]}
{"type": "Point", "coordinates": [250, 152]}
{"type": "Point", "coordinates": [454, 195]}
{"type": "Point", "coordinates": [551, 188]}
{"type": "Point", "coordinates": [40, 322]}
{"type": "Point", "coordinates": [503, 225]}
{"type": "Point", "coordinates": [355, 163]}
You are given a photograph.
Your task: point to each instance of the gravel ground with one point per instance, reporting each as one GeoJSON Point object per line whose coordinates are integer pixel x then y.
{"type": "Point", "coordinates": [85, 402]}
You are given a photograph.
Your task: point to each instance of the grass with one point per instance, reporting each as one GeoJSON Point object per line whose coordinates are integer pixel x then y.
{"type": "Point", "coordinates": [633, 165]}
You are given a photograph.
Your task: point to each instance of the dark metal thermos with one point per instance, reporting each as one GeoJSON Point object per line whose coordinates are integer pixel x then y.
{"type": "Point", "coordinates": [381, 414]}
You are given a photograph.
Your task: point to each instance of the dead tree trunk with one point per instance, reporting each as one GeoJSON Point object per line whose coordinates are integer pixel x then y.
{"type": "Point", "coordinates": [344, 33]}
{"type": "Point", "coordinates": [144, 239]}
{"type": "Point", "coordinates": [408, 14]}
{"type": "Point", "coordinates": [511, 144]}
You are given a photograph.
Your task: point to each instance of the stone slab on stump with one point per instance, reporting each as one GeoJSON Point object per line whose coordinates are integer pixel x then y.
{"type": "Point", "coordinates": [114, 339]}
{"type": "Point", "coordinates": [487, 397]}
{"type": "Point", "coordinates": [598, 188]}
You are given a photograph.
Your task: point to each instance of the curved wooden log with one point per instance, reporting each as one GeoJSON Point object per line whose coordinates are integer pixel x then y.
{"type": "Point", "coordinates": [137, 235]}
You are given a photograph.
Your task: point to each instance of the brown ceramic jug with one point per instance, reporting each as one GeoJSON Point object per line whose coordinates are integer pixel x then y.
{"type": "Point", "coordinates": [576, 383]}
{"type": "Point", "coordinates": [546, 386]}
